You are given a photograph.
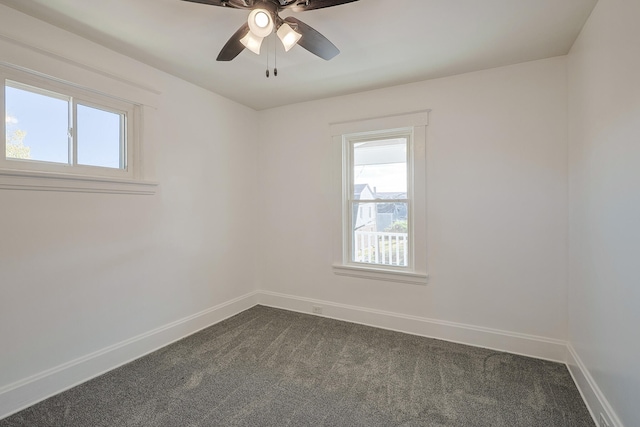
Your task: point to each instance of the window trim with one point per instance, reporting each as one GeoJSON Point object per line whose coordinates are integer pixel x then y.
{"type": "Point", "coordinates": [55, 181]}
{"type": "Point", "coordinates": [342, 134]}
{"type": "Point", "coordinates": [20, 174]}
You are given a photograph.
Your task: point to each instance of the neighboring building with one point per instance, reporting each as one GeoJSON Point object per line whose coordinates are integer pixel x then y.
{"type": "Point", "coordinates": [364, 218]}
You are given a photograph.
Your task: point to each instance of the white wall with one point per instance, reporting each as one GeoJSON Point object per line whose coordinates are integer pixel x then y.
{"type": "Point", "coordinates": [604, 194]}
{"type": "Point", "coordinates": [80, 272]}
{"type": "Point", "coordinates": [497, 200]}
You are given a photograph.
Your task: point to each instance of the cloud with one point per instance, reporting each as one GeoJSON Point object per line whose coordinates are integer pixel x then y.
{"type": "Point", "coordinates": [11, 120]}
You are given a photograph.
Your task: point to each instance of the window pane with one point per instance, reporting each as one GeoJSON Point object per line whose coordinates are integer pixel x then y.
{"type": "Point", "coordinates": [37, 125]}
{"type": "Point", "coordinates": [99, 137]}
{"type": "Point", "coordinates": [380, 169]}
{"type": "Point", "coordinates": [380, 233]}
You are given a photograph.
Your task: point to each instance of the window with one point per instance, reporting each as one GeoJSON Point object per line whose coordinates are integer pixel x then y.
{"type": "Point", "coordinates": [378, 180]}
{"type": "Point", "coordinates": [381, 181]}
{"type": "Point", "coordinates": [48, 130]}
{"type": "Point", "coordinates": [62, 137]}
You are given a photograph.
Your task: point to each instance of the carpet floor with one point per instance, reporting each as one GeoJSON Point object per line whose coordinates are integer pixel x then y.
{"type": "Point", "coordinates": [270, 367]}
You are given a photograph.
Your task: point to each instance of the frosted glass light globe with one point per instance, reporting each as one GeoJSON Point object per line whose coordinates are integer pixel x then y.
{"type": "Point", "coordinates": [262, 19]}
{"type": "Point", "coordinates": [260, 22]}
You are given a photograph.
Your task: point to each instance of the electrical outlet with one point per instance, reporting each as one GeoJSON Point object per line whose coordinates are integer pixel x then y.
{"type": "Point", "coordinates": [317, 309]}
{"type": "Point", "coordinates": [603, 421]}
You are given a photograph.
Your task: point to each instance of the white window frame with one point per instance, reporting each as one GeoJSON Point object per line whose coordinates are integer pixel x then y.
{"type": "Point", "coordinates": [21, 174]}
{"type": "Point", "coordinates": [349, 142]}
{"type": "Point", "coordinates": [343, 135]}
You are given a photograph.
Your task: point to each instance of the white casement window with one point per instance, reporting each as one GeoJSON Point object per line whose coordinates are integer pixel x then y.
{"type": "Point", "coordinates": [381, 182]}
{"type": "Point", "coordinates": [67, 138]}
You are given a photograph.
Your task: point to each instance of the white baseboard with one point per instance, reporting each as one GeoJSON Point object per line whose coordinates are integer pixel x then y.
{"type": "Point", "coordinates": [511, 342]}
{"type": "Point", "coordinates": [24, 393]}
{"type": "Point", "coordinates": [591, 393]}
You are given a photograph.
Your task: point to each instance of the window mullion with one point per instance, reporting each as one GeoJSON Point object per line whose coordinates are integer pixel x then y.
{"type": "Point", "coordinates": [73, 131]}
{"type": "Point", "coordinates": [383, 200]}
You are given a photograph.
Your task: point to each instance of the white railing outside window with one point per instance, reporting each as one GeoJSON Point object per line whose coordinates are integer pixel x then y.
{"type": "Point", "coordinates": [377, 247]}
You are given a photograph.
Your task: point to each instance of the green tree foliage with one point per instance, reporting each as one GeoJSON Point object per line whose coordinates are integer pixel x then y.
{"type": "Point", "coordinates": [397, 227]}
{"type": "Point", "coordinates": [15, 145]}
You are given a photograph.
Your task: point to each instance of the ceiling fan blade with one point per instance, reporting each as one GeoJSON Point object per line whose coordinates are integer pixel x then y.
{"type": "Point", "coordinates": [302, 5]}
{"type": "Point", "coordinates": [233, 47]}
{"type": "Point", "coordinates": [235, 4]}
{"type": "Point", "coordinates": [312, 40]}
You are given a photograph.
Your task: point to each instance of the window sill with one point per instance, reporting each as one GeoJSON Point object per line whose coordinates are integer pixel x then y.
{"type": "Point", "coordinates": [51, 181]}
{"type": "Point", "coordinates": [380, 274]}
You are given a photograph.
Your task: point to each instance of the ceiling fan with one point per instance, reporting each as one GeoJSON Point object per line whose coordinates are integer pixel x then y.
{"type": "Point", "coordinates": [264, 19]}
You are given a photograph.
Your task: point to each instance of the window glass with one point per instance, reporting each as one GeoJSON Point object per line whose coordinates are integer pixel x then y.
{"type": "Point", "coordinates": [382, 238]}
{"type": "Point", "coordinates": [379, 206]}
{"type": "Point", "coordinates": [36, 125]}
{"type": "Point", "coordinates": [54, 131]}
{"type": "Point", "coordinates": [99, 136]}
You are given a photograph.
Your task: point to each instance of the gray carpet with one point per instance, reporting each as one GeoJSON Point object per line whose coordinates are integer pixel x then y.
{"type": "Point", "coordinates": [269, 367]}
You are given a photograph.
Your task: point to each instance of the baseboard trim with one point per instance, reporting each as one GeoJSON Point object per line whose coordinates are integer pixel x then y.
{"type": "Point", "coordinates": [29, 391]}
{"type": "Point", "coordinates": [511, 342]}
{"type": "Point", "coordinates": [591, 393]}
{"type": "Point", "coordinates": [26, 392]}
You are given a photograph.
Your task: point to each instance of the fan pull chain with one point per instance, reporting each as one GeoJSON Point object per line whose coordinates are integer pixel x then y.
{"type": "Point", "coordinates": [267, 72]}
{"type": "Point", "coordinates": [275, 58]}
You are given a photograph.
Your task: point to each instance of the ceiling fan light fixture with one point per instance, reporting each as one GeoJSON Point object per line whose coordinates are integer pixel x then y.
{"type": "Point", "coordinates": [288, 36]}
{"type": "Point", "coordinates": [263, 18]}
{"type": "Point", "coordinates": [252, 42]}
{"type": "Point", "coordinates": [260, 22]}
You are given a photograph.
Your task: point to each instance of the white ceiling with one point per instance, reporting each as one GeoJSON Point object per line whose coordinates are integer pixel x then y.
{"type": "Point", "coordinates": [382, 42]}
